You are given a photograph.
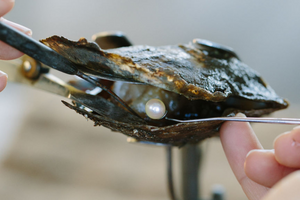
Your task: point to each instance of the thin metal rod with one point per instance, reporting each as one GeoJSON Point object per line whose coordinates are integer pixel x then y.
{"type": "Point", "coordinates": [241, 119]}
{"type": "Point", "coordinates": [170, 173]}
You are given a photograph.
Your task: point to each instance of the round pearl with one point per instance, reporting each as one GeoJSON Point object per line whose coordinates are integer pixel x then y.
{"type": "Point", "coordinates": [155, 109]}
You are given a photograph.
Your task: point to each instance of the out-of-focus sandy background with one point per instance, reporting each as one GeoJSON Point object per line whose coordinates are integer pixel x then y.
{"type": "Point", "coordinates": [49, 152]}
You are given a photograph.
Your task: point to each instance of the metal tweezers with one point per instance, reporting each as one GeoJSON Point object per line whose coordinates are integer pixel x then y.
{"type": "Point", "coordinates": [33, 70]}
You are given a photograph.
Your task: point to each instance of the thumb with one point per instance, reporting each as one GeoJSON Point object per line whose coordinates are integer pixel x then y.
{"type": "Point", "coordinates": [237, 140]}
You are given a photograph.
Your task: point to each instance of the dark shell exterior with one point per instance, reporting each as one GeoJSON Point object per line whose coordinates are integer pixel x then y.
{"type": "Point", "coordinates": [183, 69]}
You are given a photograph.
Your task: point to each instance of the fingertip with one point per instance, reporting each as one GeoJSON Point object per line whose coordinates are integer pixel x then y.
{"type": "Point", "coordinates": [6, 6]}
{"type": "Point", "coordinates": [287, 148]}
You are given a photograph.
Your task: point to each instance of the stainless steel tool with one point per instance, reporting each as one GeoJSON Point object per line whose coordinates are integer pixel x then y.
{"type": "Point", "coordinates": [246, 119]}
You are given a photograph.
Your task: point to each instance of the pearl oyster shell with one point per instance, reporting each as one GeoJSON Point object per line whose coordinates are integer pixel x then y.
{"type": "Point", "coordinates": [192, 72]}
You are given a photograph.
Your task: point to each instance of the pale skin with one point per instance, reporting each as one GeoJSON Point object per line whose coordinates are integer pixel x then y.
{"type": "Point", "coordinates": [263, 174]}
{"type": "Point", "coordinates": [7, 52]}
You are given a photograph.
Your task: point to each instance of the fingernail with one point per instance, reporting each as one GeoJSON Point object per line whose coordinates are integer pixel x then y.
{"type": "Point", "coordinates": [3, 80]}
{"type": "Point", "coordinates": [240, 115]}
{"type": "Point", "coordinates": [295, 143]}
{"type": "Point", "coordinates": [297, 127]}
{"type": "Point", "coordinates": [284, 133]}
{"type": "Point", "coordinates": [250, 152]}
{"type": "Point", "coordinates": [28, 32]}
{"type": "Point", "coordinates": [260, 151]}
{"type": "Point", "coordinates": [3, 74]}
{"type": "Point", "coordinates": [295, 133]}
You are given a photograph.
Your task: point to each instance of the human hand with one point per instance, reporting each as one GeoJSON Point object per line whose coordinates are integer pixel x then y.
{"type": "Point", "coordinates": [258, 170]}
{"type": "Point", "coordinates": [7, 52]}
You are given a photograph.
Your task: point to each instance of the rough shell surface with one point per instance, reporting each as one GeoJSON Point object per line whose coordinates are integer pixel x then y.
{"type": "Point", "coordinates": [182, 69]}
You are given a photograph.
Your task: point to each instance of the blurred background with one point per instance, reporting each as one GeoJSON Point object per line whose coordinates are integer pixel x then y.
{"type": "Point", "coordinates": [49, 152]}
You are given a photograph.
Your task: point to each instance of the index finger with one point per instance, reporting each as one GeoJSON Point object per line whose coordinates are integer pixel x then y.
{"type": "Point", "coordinates": [238, 139]}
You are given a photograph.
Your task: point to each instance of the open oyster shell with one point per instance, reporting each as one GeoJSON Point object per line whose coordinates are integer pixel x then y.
{"type": "Point", "coordinates": [189, 79]}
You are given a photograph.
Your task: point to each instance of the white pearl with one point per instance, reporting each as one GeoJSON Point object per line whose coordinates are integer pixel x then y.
{"type": "Point", "coordinates": [155, 109]}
